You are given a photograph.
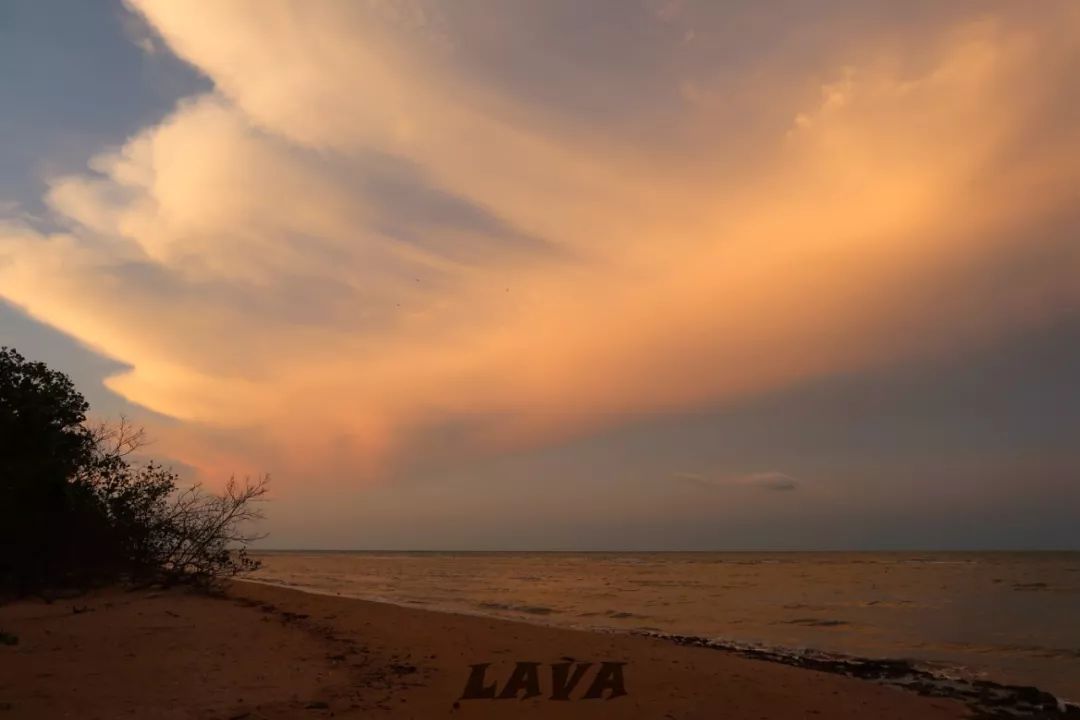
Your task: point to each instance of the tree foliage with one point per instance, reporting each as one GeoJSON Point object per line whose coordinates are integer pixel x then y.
{"type": "Point", "coordinates": [75, 508]}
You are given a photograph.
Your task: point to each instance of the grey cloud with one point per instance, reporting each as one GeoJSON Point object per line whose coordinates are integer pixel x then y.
{"type": "Point", "coordinates": [768, 480]}
{"type": "Point", "coordinates": [412, 208]}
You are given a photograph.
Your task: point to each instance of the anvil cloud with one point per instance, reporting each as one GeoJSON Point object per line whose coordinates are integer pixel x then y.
{"type": "Point", "coordinates": [532, 220]}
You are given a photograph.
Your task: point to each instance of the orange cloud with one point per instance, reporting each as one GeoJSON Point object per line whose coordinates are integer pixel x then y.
{"type": "Point", "coordinates": [358, 235]}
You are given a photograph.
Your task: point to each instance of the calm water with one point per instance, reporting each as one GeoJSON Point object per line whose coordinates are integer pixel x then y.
{"type": "Point", "coordinates": [1010, 617]}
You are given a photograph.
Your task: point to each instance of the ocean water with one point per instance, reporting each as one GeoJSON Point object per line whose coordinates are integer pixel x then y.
{"type": "Point", "coordinates": [1009, 617]}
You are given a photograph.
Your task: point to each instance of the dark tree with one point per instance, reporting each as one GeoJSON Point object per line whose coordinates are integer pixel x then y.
{"type": "Point", "coordinates": [76, 509]}
{"type": "Point", "coordinates": [43, 443]}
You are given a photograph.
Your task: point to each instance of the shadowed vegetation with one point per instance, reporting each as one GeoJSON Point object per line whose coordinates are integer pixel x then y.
{"type": "Point", "coordinates": [78, 506]}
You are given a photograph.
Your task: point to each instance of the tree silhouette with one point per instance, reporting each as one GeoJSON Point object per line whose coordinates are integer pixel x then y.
{"type": "Point", "coordinates": [43, 442]}
{"type": "Point", "coordinates": [75, 509]}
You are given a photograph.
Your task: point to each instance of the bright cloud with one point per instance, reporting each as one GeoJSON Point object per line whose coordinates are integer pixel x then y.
{"type": "Point", "coordinates": [388, 217]}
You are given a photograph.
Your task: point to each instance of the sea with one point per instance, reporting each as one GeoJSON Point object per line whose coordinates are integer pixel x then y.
{"type": "Point", "coordinates": [1012, 618]}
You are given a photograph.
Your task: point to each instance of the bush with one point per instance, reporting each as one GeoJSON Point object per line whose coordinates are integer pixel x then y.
{"type": "Point", "coordinates": [43, 442]}
{"type": "Point", "coordinates": [76, 510]}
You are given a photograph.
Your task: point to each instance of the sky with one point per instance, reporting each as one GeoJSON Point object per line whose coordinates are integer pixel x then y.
{"type": "Point", "coordinates": [625, 274]}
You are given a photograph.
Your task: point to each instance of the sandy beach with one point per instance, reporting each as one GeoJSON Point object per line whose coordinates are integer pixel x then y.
{"type": "Point", "coordinates": [263, 652]}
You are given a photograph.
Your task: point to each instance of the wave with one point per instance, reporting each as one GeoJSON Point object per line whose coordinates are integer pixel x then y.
{"type": "Point", "coordinates": [985, 698]}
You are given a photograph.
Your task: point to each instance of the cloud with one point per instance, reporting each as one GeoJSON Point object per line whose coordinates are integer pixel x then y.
{"type": "Point", "coordinates": [388, 219]}
{"type": "Point", "coordinates": [771, 481]}
{"type": "Point", "coordinates": [139, 33]}
{"type": "Point", "coordinates": [767, 480]}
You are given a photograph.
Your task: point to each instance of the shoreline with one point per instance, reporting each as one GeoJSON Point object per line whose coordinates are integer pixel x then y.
{"type": "Point", "coordinates": [264, 651]}
{"type": "Point", "coordinates": [907, 674]}
{"type": "Point", "coordinates": [983, 696]}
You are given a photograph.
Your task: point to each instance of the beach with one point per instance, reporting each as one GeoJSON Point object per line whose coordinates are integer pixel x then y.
{"type": "Point", "coordinates": [1003, 617]}
{"type": "Point", "coordinates": [262, 652]}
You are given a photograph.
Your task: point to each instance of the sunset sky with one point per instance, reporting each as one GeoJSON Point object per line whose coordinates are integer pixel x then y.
{"type": "Point", "coordinates": [616, 274]}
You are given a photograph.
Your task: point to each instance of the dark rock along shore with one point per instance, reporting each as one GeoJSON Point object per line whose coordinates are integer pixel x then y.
{"type": "Point", "coordinates": [988, 700]}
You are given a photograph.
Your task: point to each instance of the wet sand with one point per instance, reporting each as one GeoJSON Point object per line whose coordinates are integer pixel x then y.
{"type": "Point", "coordinates": [1005, 617]}
{"type": "Point", "coordinates": [264, 652]}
